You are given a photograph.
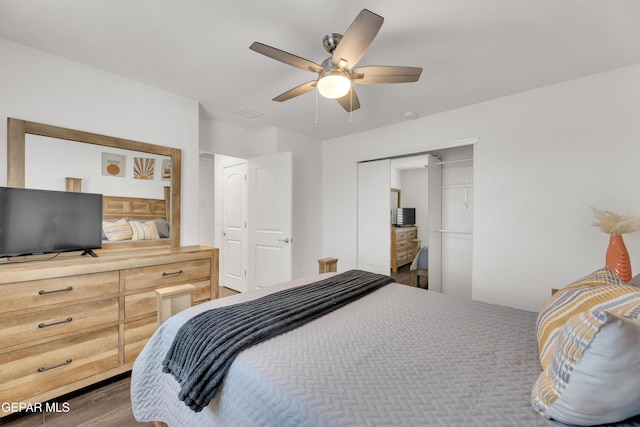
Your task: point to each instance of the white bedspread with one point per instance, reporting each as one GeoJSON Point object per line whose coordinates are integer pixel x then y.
{"type": "Point", "coordinates": [400, 356]}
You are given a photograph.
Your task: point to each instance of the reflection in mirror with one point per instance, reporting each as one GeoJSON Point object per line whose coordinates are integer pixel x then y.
{"type": "Point", "coordinates": [395, 203]}
{"type": "Point", "coordinates": [139, 181]}
{"type": "Point", "coordinates": [109, 171]}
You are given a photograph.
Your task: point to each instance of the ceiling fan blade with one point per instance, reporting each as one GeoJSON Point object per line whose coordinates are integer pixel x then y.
{"type": "Point", "coordinates": [350, 101]}
{"type": "Point", "coordinates": [372, 75]}
{"type": "Point", "coordinates": [286, 57]}
{"type": "Point", "coordinates": [296, 91]}
{"type": "Point", "coordinates": [357, 38]}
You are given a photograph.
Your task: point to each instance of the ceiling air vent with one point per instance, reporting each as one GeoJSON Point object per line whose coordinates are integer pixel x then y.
{"type": "Point", "coordinates": [247, 112]}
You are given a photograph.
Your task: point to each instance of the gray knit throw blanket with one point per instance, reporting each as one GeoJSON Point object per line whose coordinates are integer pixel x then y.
{"type": "Point", "coordinates": [206, 344]}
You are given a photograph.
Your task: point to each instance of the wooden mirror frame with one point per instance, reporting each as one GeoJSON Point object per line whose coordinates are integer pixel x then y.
{"type": "Point", "coordinates": [17, 130]}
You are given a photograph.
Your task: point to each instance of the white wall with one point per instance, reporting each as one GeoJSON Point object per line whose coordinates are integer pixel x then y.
{"type": "Point", "coordinates": [229, 140]}
{"type": "Point", "coordinates": [306, 200]}
{"type": "Point", "coordinates": [544, 158]}
{"type": "Point", "coordinates": [207, 205]}
{"type": "Point", "coordinates": [40, 87]}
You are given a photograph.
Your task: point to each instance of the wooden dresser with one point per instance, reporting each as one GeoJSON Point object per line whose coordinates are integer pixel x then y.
{"type": "Point", "coordinates": [404, 246]}
{"type": "Point", "coordinates": [72, 321]}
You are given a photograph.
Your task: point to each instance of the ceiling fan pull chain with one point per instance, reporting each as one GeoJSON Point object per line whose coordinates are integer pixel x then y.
{"type": "Point", "coordinates": [316, 106]}
{"type": "Point", "coordinates": [351, 106]}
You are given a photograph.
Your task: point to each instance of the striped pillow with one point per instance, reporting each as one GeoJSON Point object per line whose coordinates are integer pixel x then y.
{"type": "Point", "coordinates": [594, 372]}
{"type": "Point", "coordinates": [116, 230]}
{"type": "Point", "coordinates": [144, 230]}
{"type": "Point", "coordinates": [600, 287]}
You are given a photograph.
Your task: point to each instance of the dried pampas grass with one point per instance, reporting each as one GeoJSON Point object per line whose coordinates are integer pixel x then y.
{"type": "Point", "coordinates": [611, 223]}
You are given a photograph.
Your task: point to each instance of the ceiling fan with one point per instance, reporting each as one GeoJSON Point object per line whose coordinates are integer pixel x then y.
{"type": "Point", "coordinates": [337, 73]}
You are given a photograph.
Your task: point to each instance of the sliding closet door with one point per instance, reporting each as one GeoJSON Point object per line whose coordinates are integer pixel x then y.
{"type": "Point", "coordinates": [374, 216]}
{"type": "Point", "coordinates": [435, 223]}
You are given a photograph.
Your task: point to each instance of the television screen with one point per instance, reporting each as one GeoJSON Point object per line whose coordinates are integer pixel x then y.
{"type": "Point", "coordinates": [44, 221]}
{"type": "Point", "coordinates": [405, 216]}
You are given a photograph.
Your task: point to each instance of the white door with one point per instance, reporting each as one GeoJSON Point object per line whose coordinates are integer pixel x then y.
{"type": "Point", "coordinates": [374, 216]}
{"type": "Point", "coordinates": [270, 215]}
{"type": "Point", "coordinates": [234, 227]}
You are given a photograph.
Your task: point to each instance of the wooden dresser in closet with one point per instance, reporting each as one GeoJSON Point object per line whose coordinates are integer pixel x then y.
{"type": "Point", "coordinates": [404, 246]}
{"type": "Point", "coordinates": [72, 321]}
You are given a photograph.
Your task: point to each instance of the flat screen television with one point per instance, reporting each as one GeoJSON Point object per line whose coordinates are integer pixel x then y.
{"type": "Point", "coordinates": [44, 221]}
{"type": "Point", "coordinates": [405, 217]}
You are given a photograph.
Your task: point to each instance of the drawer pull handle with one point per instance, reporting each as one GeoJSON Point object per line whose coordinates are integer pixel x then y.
{"type": "Point", "coordinates": [66, 362]}
{"type": "Point", "coordinates": [67, 289]}
{"type": "Point", "coordinates": [44, 325]}
{"type": "Point", "coordinates": [173, 273]}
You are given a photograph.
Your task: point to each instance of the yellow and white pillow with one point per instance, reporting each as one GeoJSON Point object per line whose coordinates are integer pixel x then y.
{"type": "Point", "coordinates": [144, 230]}
{"type": "Point", "coordinates": [117, 230]}
{"type": "Point", "coordinates": [582, 295]}
{"type": "Point", "coordinates": [589, 340]}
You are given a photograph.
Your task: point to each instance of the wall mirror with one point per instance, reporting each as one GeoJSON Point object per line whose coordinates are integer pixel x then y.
{"type": "Point", "coordinates": [117, 202]}
{"type": "Point", "coordinates": [395, 203]}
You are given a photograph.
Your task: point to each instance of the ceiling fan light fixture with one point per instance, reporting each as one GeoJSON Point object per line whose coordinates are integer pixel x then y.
{"type": "Point", "coordinates": [334, 83]}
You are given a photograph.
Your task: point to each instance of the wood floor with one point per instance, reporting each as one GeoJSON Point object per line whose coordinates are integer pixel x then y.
{"type": "Point", "coordinates": [108, 403]}
{"type": "Point", "coordinates": [105, 404]}
{"type": "Point", "coordinates": [403, 275]}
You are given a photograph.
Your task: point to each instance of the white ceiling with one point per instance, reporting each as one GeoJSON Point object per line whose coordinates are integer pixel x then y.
{"type": "Point", "coordinates": [470, 50]}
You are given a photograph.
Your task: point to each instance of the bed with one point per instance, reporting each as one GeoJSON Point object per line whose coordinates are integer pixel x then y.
{"type": "Point", "coordinates": [136, 218]}
{"type": "Point", "coordinates": [397, 356]}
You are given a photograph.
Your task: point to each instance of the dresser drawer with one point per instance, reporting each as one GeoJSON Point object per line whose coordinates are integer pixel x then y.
{"type": "Point", "coordinates": [407, 234]}
{"type": "Point", "coordinates": [402, 246]}
{"type": "Point", "coordinates": [45, 367]}
{"type": "Point", "coordinates": [157, 276]}
{"type": "Point", "coordinates": [39, 293]}
{"type": "Point", "coordinates": [147, 302]}
{"type": "Point", "coordinates": [50, 323]}
{"type": "Point", "coordinates": [136, 335]}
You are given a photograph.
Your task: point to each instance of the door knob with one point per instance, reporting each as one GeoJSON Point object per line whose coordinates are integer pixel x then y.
{"type": "Point", "coordinates": [285, 240]}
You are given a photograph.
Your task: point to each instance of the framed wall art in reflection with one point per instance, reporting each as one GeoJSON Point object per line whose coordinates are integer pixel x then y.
{"type": "Point", "coordinates": [166, 169]}
{"type": "Point", "coordinates": [113, 164]}
{"type": "Point", "coordinates": [143, 168]}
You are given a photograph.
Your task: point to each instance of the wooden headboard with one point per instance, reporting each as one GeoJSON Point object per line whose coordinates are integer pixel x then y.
{"type": "Point", "coordinates": [116, 207]}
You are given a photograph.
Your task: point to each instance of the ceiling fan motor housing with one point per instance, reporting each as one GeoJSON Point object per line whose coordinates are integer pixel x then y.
{"type": "Point", "coordinates": [330, 41]}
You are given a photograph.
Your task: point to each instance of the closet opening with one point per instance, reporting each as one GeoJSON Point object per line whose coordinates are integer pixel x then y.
{"type": "Point", "coordinates": [433, 248]}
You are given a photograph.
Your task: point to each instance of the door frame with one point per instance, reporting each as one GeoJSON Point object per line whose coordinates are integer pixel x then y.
{"type": "Point", "coordinates": [221, 160]}
{"type": "Point", "coordinates": [454, 144]}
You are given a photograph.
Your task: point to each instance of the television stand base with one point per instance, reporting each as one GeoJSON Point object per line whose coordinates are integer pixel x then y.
{"type": "Point", "coordinates": [89, 252]}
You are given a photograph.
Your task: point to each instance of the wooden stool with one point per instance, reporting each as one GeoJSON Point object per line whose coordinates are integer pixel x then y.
{"type": "Point", "coordinates": [173, 299]}
{"type": "Point", "coordinates": [328, 265]}
{"type": "Point", "coordinates": [417, 276]}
